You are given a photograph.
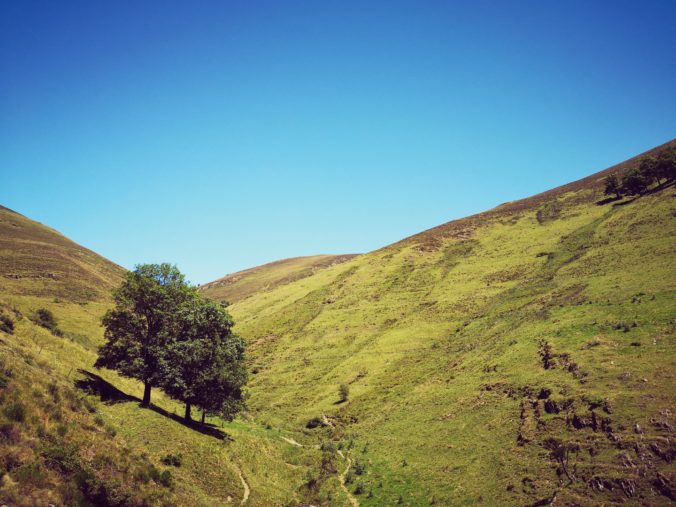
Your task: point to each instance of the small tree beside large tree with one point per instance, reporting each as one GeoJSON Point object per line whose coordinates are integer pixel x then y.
{"type": "Point", "coordinates": [206, 361]}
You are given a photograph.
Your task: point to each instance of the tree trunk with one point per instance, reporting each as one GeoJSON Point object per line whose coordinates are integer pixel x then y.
{"type": "Point", "coordinates": [187, 413]}
{"type": "Point", "coordinates": [204, 414]}
{"type": "Point", "coordinates": [146, 395]}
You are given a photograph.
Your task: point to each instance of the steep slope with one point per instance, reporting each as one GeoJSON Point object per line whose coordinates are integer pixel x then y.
{"type": "Point", "coordinates": [38, 261]}
{"type": "Point", "coordinates": [73, 435]}
{"type": "Point", "coordinates": [238, 286]}
{"type": "Point", "coordinates": [515, 357]}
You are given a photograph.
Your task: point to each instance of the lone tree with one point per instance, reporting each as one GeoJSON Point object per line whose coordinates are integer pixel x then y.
{"type": "Point", "coordinates": [206, 362]}
{"type": "Point", "coordinates": [141, 326]}
{"type": "Point", "coordinates": [612, 186]}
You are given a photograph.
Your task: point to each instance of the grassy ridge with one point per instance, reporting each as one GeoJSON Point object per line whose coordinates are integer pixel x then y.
{"type": "Point", "coordinates": [512, 357]}
{"type": "Point", "coordinates": [240, 285]}
{"type": "Point", "coordinates": [36, 260]}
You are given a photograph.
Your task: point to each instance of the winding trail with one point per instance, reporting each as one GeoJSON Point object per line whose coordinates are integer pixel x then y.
{"type": "Point", "coordinates": [353, 501]}
{"type": "Point", "coordinates": [341, 478]}
{"type": "Point", "coordinates": [245, 486]}
{"type": "Point", "coordinates": [292, 442]}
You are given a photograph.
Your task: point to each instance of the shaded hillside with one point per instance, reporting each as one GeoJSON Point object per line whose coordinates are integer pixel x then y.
{"type": "Point", "coordinates": [38, 261]}
{"type": "Point", "coordinates": [237, 286]}
{"type": "Point", "coordinates": [521, 356]}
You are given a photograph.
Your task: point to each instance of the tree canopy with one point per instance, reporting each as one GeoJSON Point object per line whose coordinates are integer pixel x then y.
{"type": "Point", "coordinates": [139, 327]}
{"type": "Point", "coordinates": [206, 360]}
{"type": "Point", "coordinates": [164, 334]}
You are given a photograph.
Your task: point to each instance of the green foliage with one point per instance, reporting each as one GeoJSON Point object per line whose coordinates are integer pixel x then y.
{"type": "Point", "coordinates": [141, 326]}
{"type": "Point", "coordinates": [612, 186]}
{"type": "Point", "coordinates": [314, 422]}
{"type": "Point", "coordinates": [650, 169]}
{"type": "Point", "coordinates": [343, 392]}
{"type": "Point", "coordinates": [635, 182]}
{"type": "Point", "coordinates": [665, 165]}
{"type": "Point", "coordinates": [166, 479]}
{"type": "Point", "coordinates": [205, 362]}
{"type": "Point", "coordinates": [359, 467]}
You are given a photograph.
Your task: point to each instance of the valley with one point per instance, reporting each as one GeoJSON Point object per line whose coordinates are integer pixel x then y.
{"type": "Point", "coordinates": [521, 356]}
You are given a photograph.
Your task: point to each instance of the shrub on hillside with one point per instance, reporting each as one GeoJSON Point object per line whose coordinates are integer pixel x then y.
{"type": "Point", "coordinates": [16, 411]}
{"type": "Point", "coordinates": [343, 392]}
{"type": "Point", "coordinates": [315, 422]}
{"type": "Point", "coordinates": [46, 319]}
{"type": "Point", "coordinates": [6, 324]}
{"type": "Point", "coordinates": [328, 447]}
{"type": "Point", "coordinates": [174, 460]}
{"type": "Point", "coordinates": [166, 479]}
{"type": "Point", "coordinates": [10, 433]}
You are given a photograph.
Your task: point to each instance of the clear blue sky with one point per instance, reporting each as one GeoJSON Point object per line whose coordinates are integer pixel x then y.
{"type": "Point", "coordinates": [222, 135]}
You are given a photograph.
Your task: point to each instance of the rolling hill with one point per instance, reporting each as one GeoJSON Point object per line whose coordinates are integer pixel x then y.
{"type": "Point", "coordinates": [36, 260]}
{"type": "Point", "coordinates": [521, 356]}
{"type": "Point", "coordinates": [515, 357]}
{"type": "Point", "coordinates": [237, 286]}
{"type": "Point", "coordinates": [72, 435]}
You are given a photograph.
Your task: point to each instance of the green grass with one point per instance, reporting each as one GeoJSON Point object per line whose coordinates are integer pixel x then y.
{"type": "Point", "coordinates": [240, 285]}
{"type": "Point", "coordinates": [440, 339]}
{"type": "Point", "coordinates": [439, 342]}
{"type": "Point", "coordinates": [209, 473]}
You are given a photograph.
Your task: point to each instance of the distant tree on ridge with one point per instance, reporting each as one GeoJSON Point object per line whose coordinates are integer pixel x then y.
{"type": "Point", "coordinates": [612, 186]}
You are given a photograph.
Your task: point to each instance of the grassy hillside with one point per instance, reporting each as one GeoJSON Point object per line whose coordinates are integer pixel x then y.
{"type": "Point", "coordinates": [237, 286]}
{"type": "Point", "coordinates": [515, 357]}
{"type": "Point", "coordinates": [78, 436]}
{"type": "Point", "coordinates": [522, 356]}
{"type": "Point", "coordinates": [38, 261]}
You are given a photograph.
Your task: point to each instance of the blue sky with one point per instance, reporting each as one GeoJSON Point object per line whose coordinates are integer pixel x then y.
{"type": "Point", "coordinates": [222, 135]}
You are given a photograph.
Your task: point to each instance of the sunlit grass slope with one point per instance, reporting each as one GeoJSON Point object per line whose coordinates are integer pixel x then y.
{"type": "Point", "coordinates": [66, 432]}
{"type": "Point", "coordinates": [515, 357]}
{"type": "Point", "coordinates": [237, 286]}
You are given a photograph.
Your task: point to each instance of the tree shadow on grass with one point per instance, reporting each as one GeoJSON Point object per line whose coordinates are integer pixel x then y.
{"type": "Point", "coordinates": [109, 394]}
{"type": "Point", "coordinates": [607, 200]}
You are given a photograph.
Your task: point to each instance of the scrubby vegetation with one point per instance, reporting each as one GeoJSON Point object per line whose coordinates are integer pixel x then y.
{"type": "Point", "coordinates": [6, 324]}
{"type": "Point", "coordinates": [46, 319]}
{"type": "Point", "coordinates": [52, 451]}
